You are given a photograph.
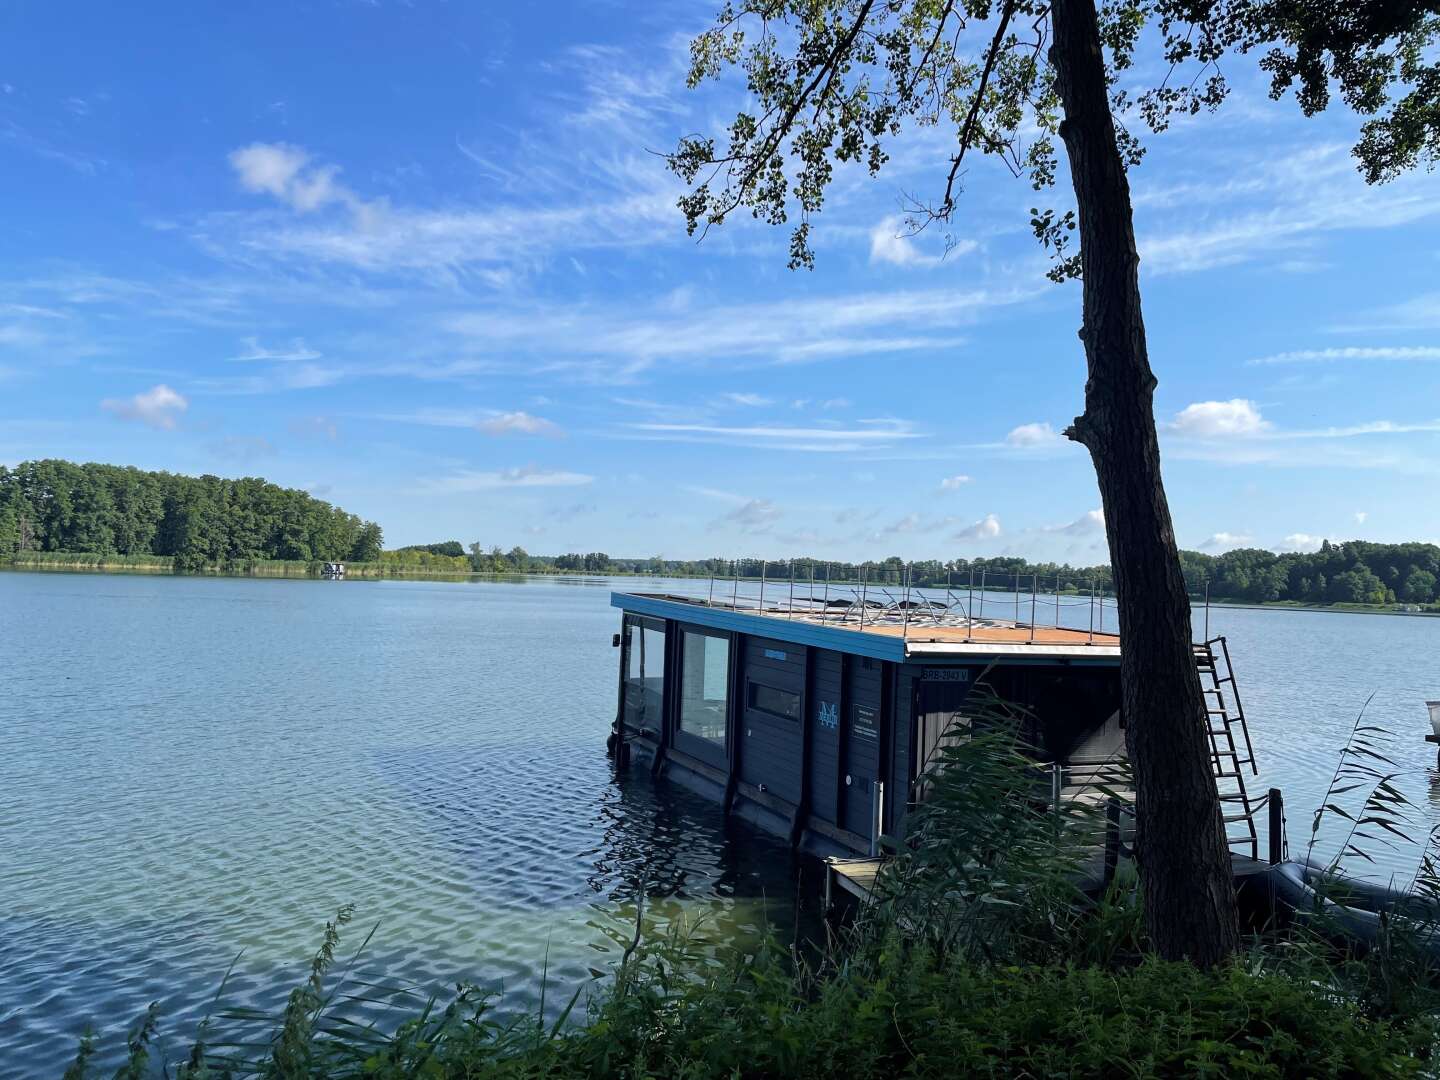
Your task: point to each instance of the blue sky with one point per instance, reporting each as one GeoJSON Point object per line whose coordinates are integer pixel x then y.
{"type": "Point", "coordinates": [421, 260]}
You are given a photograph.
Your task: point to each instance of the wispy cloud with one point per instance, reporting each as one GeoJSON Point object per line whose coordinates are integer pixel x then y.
{"type": "Point", "coordinates": [784, 331]}
{"type": "Point", "coordinates": [159, 407]}
{"type": "Point", "coordinates": [872, 433]}
{"type": "Point", "coordinates": [528, 476]}
{"type": "Point", "coordinates": [750, 400]}
{"type": "Point", "coordinates": [518, 423]}
{"type": "Point", "coordinates": [1338, 355]}
{"type": "Point", "coordinates": [954, 483]}
{"type": "Point", "coordinates": [1303, 195]}
{"type": "Point", "coordinates": [749, 513]}
{"type": "Point", "coordinates": [297, 350]}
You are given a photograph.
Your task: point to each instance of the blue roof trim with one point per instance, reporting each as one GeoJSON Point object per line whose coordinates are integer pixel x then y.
{"type": "Point", "coordinates": [854, 642]}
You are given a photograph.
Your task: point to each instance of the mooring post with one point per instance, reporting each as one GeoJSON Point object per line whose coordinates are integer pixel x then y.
{"type": "Point", "coordinates": [1034, 584]}
{"type": "Point", "coordinates": [1016, 586]}
{"type": "Point", "coordinates": [711, 601]}
{"type": "Point", "coordinates": [790, 614]}
{"type": "Point", "coordinates": [970, 606]}
{"type": "Point", "coordinates": [764, 565]}
{"type": "Point", "coordinates": [1057, 601]}
{"type": "Point", "coordinates": [982, 592]}
{"type": "Point", "coordinates": [1207, 609]}
{"type": "Point", "coordinates": [1277, 826]}
{"type": "Point", "coordinates": [826, 612]}
{"type": "Point", "coordinates": [735, 593]}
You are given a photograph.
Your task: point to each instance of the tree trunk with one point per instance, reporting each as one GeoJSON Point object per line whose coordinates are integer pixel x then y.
{"type": "Point", "coordinates": [1180, 837]}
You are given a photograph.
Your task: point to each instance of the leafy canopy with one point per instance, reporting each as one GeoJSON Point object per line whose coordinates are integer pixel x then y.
{"type": "Point", "coordinates": [832, 81]}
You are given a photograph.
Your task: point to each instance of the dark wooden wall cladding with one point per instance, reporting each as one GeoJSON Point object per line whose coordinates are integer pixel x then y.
{"type": "Point", "coordinates": [772, 750]}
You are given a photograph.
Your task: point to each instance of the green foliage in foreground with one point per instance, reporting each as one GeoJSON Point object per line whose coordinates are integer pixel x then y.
{"type": "Point", "coordinates": [980, 958]}
{"type": "Point", "coordinates": [674, 1010]}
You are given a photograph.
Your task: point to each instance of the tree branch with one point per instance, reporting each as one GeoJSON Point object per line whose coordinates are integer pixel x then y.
{"type": "Point", "coordinates": [947, 204]}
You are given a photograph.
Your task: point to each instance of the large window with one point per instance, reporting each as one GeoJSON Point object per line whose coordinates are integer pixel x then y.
{"type": "Point", "coordinates": [644, 676]}
{"type": "Point", "coordinates": [704, 686]}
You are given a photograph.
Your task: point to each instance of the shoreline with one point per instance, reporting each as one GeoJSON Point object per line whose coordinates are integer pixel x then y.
{"type": "Point", "coordinates": [374, 571]}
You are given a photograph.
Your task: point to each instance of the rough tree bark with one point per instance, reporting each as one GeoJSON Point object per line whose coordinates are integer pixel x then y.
{"type": "Point", "coordinates": [1180, 843]}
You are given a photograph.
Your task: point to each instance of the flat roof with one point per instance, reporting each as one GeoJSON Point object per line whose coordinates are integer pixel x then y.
{"type": "Point", "coordinates": [897, 632]}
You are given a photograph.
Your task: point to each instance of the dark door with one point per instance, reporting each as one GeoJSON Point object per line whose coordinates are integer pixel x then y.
{"type": "Point", "coordinates": [863, 737]}
{"type": "Point", "coordinates": [940, 703]}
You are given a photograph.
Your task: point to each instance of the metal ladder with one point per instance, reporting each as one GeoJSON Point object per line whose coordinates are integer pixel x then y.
{"type": "Point", "coordinates": [1230, 749]}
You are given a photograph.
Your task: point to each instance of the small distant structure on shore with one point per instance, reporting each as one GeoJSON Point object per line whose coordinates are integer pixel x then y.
{"type": "Point", "coordinates": [333, 570]}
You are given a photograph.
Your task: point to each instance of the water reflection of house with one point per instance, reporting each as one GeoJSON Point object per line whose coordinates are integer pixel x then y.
{"type": "Point", "coordinates": [818, 716]}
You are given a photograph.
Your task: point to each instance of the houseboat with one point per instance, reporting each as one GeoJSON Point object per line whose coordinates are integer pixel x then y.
{"type": "Point", "coordinates": [816, 715]}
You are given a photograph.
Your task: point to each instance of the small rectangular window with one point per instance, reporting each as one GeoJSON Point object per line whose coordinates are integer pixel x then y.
{"type": "Point", "coordinates": [767, 699]}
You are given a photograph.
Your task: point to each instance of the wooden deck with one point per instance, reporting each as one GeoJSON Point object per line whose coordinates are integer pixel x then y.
{"type": "Point", "coordinates": [983, 632]}
{"type": "Point", "coordinates": [856, 877]}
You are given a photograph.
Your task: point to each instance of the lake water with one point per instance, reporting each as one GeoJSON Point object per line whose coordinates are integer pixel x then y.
{"type": "Point", "coordinates": [199, 767]}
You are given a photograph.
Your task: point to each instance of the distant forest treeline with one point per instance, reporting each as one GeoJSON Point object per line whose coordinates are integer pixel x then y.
{"type": "Point", "coordinates": [198, 521]}
{"type": "Point", "coordinates": [207, 521]}
{"type": "Point", "coordinates": [1354, 572]}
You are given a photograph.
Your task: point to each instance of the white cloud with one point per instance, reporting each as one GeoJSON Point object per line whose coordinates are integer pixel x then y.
{"type": "Point", "coordinates": [1217, 419]}
{"type": "Point", "coordinates": [954, 483]}
{"type": "Point", "coordinates": [1224, 541]}
{"type": "Point", "coordinates": [1355, 352]}
{"type": "Point", "coordinates": [526, 476]}
{"type": "Point", "coordinates": [1089, 522]}
{"type": "Point", "coordinates": [159, 407]}
{"type": "Point", "coordinates": [284, 171]}
{"type": "Point", "coordinates": [987, 528]}
{"type": "Point", "coordinates": [1033, 436]}
{"type": "Point", "coordinates": [1360, 516]}
{"type": "Point", "coordinates": [890, 242]}
{"type": "Point", "coordinates": [1301, 542]}
{"type": "Point", "coordinates": [517, 423]}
